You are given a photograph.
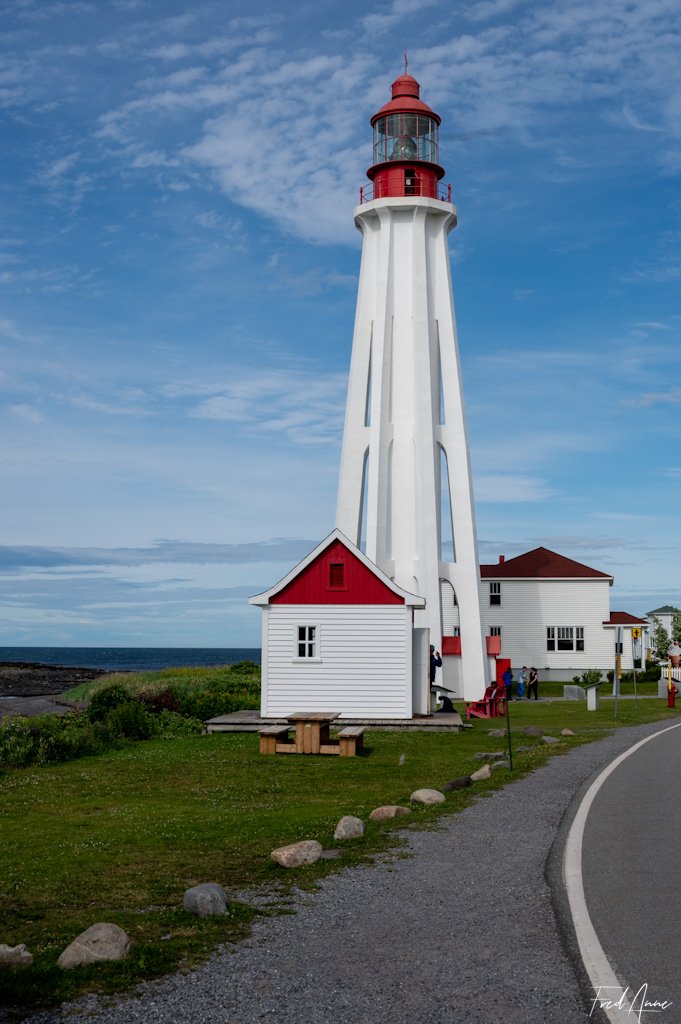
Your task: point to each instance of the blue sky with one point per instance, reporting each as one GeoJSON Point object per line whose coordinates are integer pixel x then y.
{"type": "Point", "coordinates": [178, 270]}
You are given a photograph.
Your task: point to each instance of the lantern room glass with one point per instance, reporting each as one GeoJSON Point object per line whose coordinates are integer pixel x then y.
{"type": "Point", "coordinates": [406, 137]}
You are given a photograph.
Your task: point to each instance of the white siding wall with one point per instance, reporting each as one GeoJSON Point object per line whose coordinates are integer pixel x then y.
{"type": "Point", "coordinates": [365, 662]}
{"type": "Point", "coordinates": [529, 606]}
{"type": "Point", "coordinates": [450, 611]}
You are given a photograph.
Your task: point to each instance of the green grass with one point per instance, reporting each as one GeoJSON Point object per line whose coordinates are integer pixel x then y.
{"type": "Point", "coordinates": [222, 677]}
{"type": "Point", "coordinates": [119, 837]}
{"type": "Point", "coordinates": [643, 689]}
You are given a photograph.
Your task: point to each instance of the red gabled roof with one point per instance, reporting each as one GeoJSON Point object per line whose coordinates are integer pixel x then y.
{"type": "Point", "coordinates": [313, 582]}
{"type": "Point", "coordinates": [624, 619]}
{"type": "Point", "coordinates": [540, 564]}
{"type": "Point", "coordinates": [311, 585]}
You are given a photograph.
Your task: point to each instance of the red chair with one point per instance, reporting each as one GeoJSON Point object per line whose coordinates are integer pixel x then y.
{"type": "Point", "coordinates": [492, 705]}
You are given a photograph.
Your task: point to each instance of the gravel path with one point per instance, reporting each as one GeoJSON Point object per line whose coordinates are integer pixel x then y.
{"type": "Point", "coordinates": [464, 930]}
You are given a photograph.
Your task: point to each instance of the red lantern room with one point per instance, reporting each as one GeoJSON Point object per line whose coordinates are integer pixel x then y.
{"type": "Point", "coordinates": [406, 148]}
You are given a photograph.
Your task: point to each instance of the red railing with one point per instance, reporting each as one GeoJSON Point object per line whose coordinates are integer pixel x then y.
{"type": "Point", "coordinates": [419, 188]}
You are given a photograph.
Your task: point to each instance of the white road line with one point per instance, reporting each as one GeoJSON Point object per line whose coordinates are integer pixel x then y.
{"type": "Point", "coordinates": [597, 965]}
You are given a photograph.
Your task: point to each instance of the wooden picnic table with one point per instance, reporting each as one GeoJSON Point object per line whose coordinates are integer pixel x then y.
{"type": "Point", "coordinates": [311, 735]}
{"type": "Point", "coordinates": [312, 731]}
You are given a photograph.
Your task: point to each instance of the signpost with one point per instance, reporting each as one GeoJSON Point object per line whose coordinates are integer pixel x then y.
{"type": "Point", "coordinates": [618, 666]}
{"type": "Point", "coordinates": [635, 635]}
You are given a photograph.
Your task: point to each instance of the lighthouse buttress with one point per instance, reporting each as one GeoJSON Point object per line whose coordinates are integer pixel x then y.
{"type": "Point", "coordinates": [405, 493]}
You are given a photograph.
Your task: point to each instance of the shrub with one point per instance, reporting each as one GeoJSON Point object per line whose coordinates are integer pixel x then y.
{"type": "Point", "coordinates": [589, 677]}
{"type": "Point", "coordinates": [131, 720]}
{"type": "Point", "coordinates": [162, 700]}
{"type": "Point", "coordinates": [106, 699]}
{"type": "Point", "coordinates": [51, 738]}
{"type": "Point", "coordinates": [247, 667]}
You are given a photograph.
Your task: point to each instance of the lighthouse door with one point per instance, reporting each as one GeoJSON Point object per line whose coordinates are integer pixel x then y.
{"type": "Point", "coordinates": [420, 679]}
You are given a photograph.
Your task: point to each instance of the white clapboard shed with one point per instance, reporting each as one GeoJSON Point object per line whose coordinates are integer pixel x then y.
{"type": "Point", "coordinates": [338, 635]}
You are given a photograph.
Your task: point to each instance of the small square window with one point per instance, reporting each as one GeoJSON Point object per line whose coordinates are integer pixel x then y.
{"type": "Point", "coordinates": [495, 593]}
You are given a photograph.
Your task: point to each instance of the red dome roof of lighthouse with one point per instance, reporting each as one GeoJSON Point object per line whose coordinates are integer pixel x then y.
{"type": "Point", "coordinates": [406, 99]}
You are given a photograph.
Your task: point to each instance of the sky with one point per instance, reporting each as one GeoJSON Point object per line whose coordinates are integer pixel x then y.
{"type": "Point", "coordinates": [178, 276]}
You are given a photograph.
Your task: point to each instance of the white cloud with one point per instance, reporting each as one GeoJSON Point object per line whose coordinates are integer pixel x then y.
{"type": "Point", "coordinates": [504, 488]}
{"type": "Point", "coordinates": [308, 409]}
{"type": "Point", "coordinates": [26, 412]}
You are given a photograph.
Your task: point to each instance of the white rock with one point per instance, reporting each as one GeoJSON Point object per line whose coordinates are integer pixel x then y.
{"type": "Point", "coordinates": [566, 732]}
{"type": "Point", "coordinates": [100, 942]}
{"type": "Point", "coordinates": [349, 827]}
{"type": "Point", "coordinates": [12, 957]}
{"type": "Point", "coordinates": [387, 812]}
{"type": "Point", "coordinates": [296, 854]}
{"type": "Point", "coordinates": [482, 773]}
{"type": "Point", "coordinates": [427, 796]}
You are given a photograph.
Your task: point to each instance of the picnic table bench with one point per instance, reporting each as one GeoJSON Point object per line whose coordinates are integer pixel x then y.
{"type": "Point", "coordinates": [311, 736]}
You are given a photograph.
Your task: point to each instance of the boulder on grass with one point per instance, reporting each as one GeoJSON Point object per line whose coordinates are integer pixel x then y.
{"type": "Point", "coordinates": [349, 827]}
{"type": "Point", "coordinates": [296, 855]}
{"type": "Point", "coordinates": [387, 812]}
{"type": "Point", "coordinates": [427, 797]}
{"type": "Point", "coordinates": [206, 900]}
{"type": "Point", "coordinates": [488, 755]}
{"type": "Point", "coordinates": [461, 783]}
{"type": "Point", "coordinates": [12, 957]}
{"type": "Point", "coordinates": [100, 942]}
{"type": "Point", "coordinates": [567, 732]}
{"type": "Point", "coordinates": [500, 764]}
{"type": "Point", "coordinates": [497, 733]}
{"type": "Point", "coordinates": [550, 739]}
{"type": "Point", "coordinates": [482, 773]}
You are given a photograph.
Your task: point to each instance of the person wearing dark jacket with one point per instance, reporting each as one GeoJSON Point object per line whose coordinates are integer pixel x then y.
{"type": "Point", "coordinates": [435, 663]}
{"type": "Point", "coordinates": [533, 684]}
{"type": "Point", "coordinates": [507, 679]}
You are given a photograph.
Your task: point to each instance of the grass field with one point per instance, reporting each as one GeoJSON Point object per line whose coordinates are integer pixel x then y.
{"type": "Point", "coordinates": [119, 837]}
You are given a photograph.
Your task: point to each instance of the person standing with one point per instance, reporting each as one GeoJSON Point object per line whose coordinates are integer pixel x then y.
{"type": "Point", "coordinates": [533, 684]}
{"type": "Point", "coordinates": [521, 681]}
{"type": "Point", "coordinates": [508, 683]}
{"type": "Point", "coordinates": [435, 663]}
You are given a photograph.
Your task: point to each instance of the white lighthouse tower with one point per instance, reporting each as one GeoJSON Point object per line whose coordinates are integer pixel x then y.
{"type": "Point", "coordinates": [405, 495]}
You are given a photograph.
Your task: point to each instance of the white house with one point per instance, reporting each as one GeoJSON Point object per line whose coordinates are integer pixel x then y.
{"type": "Point", "coordinates": [553, 613]}
{"type": "Point", "coordinates": [338, 635]}
{"type": "Point", "coordinates": [666, 616]}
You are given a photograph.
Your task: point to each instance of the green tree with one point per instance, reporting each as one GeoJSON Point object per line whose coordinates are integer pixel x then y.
{"type": "Point", "coordinates": [676, 625]}
{"type": "Point", "coordinates": [660, 639]}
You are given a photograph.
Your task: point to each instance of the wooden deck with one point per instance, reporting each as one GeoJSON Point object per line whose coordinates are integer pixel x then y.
{"type": "Point", "coordinates": [250, 721]}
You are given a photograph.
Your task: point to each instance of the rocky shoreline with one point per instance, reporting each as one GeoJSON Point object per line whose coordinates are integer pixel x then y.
{"type": "Point", "coordinates": [31, 679]}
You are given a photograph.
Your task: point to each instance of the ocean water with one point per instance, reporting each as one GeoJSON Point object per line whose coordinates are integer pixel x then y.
{"type": "Point", "coordinates": [130, 659]}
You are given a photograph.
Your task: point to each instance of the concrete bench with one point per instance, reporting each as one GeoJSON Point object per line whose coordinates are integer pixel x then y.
{"type": "Point", "coordinates": [351, 739]}
{"type": "Point", "coordinates": [272, 736]}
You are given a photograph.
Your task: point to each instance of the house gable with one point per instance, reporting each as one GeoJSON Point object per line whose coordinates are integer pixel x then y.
{"type": "Point", "coordinates": [336, 576]}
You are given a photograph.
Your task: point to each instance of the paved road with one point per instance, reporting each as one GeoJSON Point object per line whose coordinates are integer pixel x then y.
{"type": "Point", "coordinates": [467, 930]}
{"type": "Point", "coordinates": [631, 863]}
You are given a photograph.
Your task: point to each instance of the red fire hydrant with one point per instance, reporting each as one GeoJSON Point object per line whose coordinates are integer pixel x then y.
{"type": "Point", "coordinates": [671, 693]}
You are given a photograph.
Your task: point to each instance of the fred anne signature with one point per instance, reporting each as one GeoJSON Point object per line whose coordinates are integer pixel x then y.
{"type": "Point", "coordinates": [613, 997]}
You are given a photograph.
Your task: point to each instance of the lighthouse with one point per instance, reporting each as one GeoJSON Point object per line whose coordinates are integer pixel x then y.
{"type": "Point", "coordinates": [405, 493]}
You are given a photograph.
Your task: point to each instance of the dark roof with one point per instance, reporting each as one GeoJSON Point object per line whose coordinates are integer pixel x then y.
{"type": "Point", "coordinates": [540, 564]}
{"type": "Point", "coordinates": [666, 609]}
{"type": "Point", "coordinates": [624, 619]}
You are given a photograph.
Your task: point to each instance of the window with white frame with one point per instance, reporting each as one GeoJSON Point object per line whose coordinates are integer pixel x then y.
{"type": "Point", "coordinates": [495, 593]}
{"type": "Point", "coordinates": [307, 641]}
{"type": "Point", "coordinates": [495, 630]}
{"type": "Point", "coordinates": [565, 638]}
